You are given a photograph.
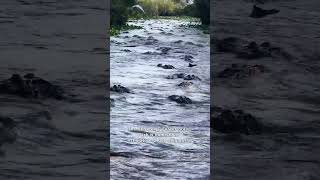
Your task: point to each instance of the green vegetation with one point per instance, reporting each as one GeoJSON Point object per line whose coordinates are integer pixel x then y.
{"type": "Point", "coordinates": [121, 11]}
{"type": "Point", "coordinates": [162, 7]}
{"type": "Point", "coordinates": [203, 10]}
{"type": "Point", "coordinates": [199, 8]}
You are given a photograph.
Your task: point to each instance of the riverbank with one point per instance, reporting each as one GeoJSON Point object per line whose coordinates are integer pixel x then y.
{"type": "Point", "coordinates": [116, 30]}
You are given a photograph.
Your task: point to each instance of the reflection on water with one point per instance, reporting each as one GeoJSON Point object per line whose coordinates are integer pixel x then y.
{"type": "Point", "coordinates": [134, 59]}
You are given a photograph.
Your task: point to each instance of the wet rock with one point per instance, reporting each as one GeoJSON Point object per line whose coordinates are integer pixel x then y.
{"type": "Point", "coordinates": [184, 76]}
{"type": "Point", "coordinates": [29, 76]}
{"type": "Point", "coordinates": [151, 40]}
{"type": "Point", "coordinates": [265, 49]}
{"type": "Point", "coordinates": [119, 89]}
{"type": "Point", "coordinates": [241, 71]}
{"type": "Point", "coordinates": [7, 132]}
{"type": "Point", "coordinates": [112, 102]}
{"type": "Point", "coordinates": [116, 42]}
{"type": "Point", "coordinates": [150, 53]}
{"type": "Point", "coordinates": [188, 58]}
{"type": "Point", "coordinates": [192, 65]}
{"type": "Point", "coordinates": [191, 77]}
{"type": "Point", "coordinates": [229, 44]}
{"type": "Point", "coordinates": [30, 86]}
{"type": "Point", "coordinates": [249, 50]}
{"type": "Point", "coordinates": [200, 45]}
{"type": "Point", "coordinates": [137, 36]}
{"type": "Point", "coordinates": [164, 50]}
{"type": "Point", "coordinates": [166, 33]}
{"type": "Point", "coordinates": [189, 43]}
{"type": "Point", "coordinates": [258, 12]}
{"type": "Point", "coordinates": [120, 154]}
{"type": "Point", "coordinates": [166, 66]}
{"type": "Point", "coordinates": [278, 52]}
{"type": "Point", "coordinates": [178, 42]}
{"type": "Point", "coordinates": [180, 99]}
{"type": "Point", "coordinates": [178, 52]}
{"type": "Point", "coordinates": [125, 50]}
{"type": "Point", "coordinates": [254, 51]}
{"type": "Point", "coordinates": [185, 84]}
{"type": "Point", "coordinates": [236, 122]}
{"type": "Point", "coordinates": [176, 76]}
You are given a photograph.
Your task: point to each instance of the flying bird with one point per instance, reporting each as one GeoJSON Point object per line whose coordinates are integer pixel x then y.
{"type": "Point", "coordinates": [138, 7]}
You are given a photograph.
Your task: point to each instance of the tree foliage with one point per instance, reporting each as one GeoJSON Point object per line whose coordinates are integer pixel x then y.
{"type": "Point", "coordinates": [120, 11]}
{"type": "Point", "coordinates": [203, 10]}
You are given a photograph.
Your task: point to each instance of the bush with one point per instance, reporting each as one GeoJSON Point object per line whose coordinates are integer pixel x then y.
{"type": "Point", "coordinates": [189, 10]}
{"type": "Point", "coordinates": [120, 12]}
{"type": "Point", "coordinates": [203, 10]}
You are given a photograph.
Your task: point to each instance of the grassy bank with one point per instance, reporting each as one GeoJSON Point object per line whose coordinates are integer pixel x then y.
{"type": "Point", "coordinates": [199, 8]}
{"type": "Point", "coordinates": [191, 22]}
{"type": "Point", "coordinates": [162, 7]}
{"type": "Point", "coordinates": [123, 10]}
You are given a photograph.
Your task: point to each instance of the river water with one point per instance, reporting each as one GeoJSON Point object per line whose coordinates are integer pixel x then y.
{"type": "Point", "coordinates": [62, 42]}
{"type": "Point", "coordinates": [135, 55]}
{"type": "Point", "coordinates": [285, 98]}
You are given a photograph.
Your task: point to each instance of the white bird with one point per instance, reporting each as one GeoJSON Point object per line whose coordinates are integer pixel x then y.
{"type": "Point", "coordinates": [138, 7]}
